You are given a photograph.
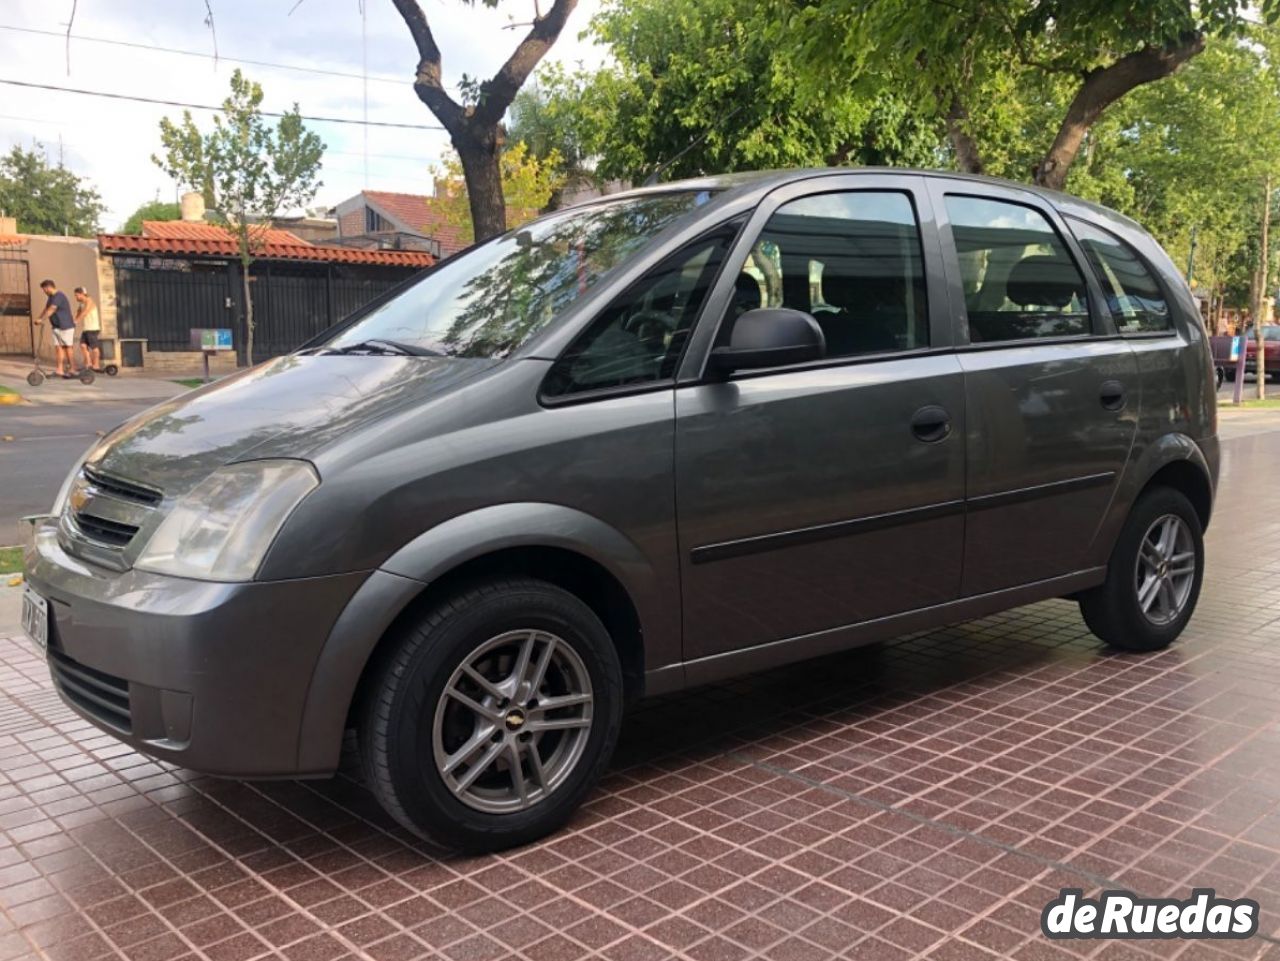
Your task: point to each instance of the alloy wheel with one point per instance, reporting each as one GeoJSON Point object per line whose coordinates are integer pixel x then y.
{"type": "Point", "coordinates": [1165, 571]}
{"type": "Point", "coordinates": [513, 721]}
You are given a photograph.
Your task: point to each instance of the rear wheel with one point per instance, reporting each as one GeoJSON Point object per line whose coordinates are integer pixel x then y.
{"type": "Point", "coordinates": [35, 378]}
{"type": "Point", "coordinates": [1153, 578]}
{"type": "Point", "coordinates": [493, 715]}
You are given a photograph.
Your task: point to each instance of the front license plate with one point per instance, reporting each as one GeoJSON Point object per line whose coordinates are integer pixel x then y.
{"type": "Point", "coordinates": [35, 620]}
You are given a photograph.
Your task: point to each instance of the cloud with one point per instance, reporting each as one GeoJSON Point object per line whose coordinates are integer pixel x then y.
{"type": "Point", "coordinates": [111, 142]}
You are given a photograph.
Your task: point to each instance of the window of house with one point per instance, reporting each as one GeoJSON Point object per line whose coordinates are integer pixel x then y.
{"type": "Point", "coordinates": [1019, 279]}
{"type": "Point", "coordinates": [851, 259]}
{"type": "Point", "coordinates": [639, 338]}
{"type": "Point", "coordinates": [374, 222]}
{"type": "Point", "coordinates": [1134, 297]}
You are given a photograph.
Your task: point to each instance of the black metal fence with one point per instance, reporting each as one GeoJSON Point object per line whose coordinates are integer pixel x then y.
{"type": "Point", "coordinates": [160, 299]}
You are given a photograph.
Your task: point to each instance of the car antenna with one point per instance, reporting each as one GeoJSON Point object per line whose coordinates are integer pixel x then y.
{"type": "Point", "coordinates": [652, 179]}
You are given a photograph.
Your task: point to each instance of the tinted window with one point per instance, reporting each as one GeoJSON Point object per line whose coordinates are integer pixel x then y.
{"type": "Point", "coordinates": [1019, 280]}
{"type": "Point", "coordinates": [853, 261]}
{"type": "Point", "coordinates": [1134, 298]}
{"type": "Point", "coordinates": [638, 338]}
{"type": "Point", "coordinates": [492, 298]}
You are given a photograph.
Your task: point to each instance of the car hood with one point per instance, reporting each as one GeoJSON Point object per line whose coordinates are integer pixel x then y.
{"type": "Point", "coordinates": [288, 407]}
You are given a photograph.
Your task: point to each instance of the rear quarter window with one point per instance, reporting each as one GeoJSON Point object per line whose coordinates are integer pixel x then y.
{"type": "Point", "coordinates": [1135, 298]}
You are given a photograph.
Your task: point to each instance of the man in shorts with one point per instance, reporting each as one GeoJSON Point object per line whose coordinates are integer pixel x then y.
{"type": "Point", "coordinates": [90, 329]}
{"type": "Point", "coordinates": [57, 310]}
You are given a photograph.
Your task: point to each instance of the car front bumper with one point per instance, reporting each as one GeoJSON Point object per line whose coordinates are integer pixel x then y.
{"type": "Point", "coordinates": [209, 676]}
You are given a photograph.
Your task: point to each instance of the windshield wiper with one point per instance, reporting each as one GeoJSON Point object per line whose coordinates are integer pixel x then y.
{"type": "Point", "coordinates": [391, 347]}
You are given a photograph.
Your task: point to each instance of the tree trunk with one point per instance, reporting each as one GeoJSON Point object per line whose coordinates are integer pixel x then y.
{"type": "Point", "coordinates": [1102, 88]}
{"type": "Point", "coordinates": [248, 313]}
{"type": "Point", "coordinates": [968, 158]}
{"type": "Point", "coordinates": [480, 155]}
{"type": "Point", "coordinates": [1260, 306]}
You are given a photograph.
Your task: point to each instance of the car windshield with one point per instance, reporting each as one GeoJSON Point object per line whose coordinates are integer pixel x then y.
{"type": "Point", "coordinates": [493, 298]}
{"type": "Point", "coordinates": [1271, 333]}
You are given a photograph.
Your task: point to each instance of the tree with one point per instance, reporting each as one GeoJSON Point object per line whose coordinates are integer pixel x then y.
{"type": "Point", "coordinates": [527, 186]}
{"type": "Point", "coordinates": [247, 170]}
{"type": "Point", "coordinates": [956, 57]}
{"type": "Point", "coordinates": [549, 127]}
{"type": "Point", "coordinates": [703, 86]}
{"type": "Point", "coordinates": [475, 124]}
{"type": "Point", "coordinates": [46, 199]}
{"type": "Point", "coordinates": [151, 210]}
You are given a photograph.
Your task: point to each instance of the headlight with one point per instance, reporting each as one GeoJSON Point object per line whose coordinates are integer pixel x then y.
{"type": "Point", "coordinates": [222, 529]}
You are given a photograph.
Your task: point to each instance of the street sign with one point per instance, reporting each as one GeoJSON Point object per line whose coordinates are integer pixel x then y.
{"type": "Point", "coordinates": [211, 339]}
{"type": "Point", "coordinates": [1237, 345]}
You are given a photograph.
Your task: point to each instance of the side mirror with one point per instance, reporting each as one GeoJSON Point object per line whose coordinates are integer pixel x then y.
{"type": "Point", "coordinates": [770, 337]}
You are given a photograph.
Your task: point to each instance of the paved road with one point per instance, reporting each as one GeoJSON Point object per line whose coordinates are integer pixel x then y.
{"type": "Point", "coordinates": [47, 439]}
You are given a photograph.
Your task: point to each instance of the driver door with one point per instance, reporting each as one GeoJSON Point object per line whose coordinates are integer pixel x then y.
{"type": "Point", "coordinates": [831, 493]}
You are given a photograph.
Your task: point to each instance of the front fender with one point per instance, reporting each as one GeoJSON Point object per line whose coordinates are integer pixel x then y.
{"type": "Point", "coordinates": [436, 552]}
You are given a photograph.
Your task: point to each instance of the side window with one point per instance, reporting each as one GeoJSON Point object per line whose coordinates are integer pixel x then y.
{"type": "Point", "coordinates": [853, 260]}
{"type": "Point", "coordinates": [638, 338]}
{"type": "Point", "coordinates": [1019, 280]}
{"type": "Point", "coordinates": [1133, 296]}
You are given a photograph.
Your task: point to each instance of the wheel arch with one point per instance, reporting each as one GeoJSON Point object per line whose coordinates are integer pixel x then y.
{"type": "Point", "coordinates": [561, 545]}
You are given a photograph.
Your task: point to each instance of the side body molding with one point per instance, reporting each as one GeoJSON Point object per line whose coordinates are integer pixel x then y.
{"type": "Point", "coordinates": [435, 552]}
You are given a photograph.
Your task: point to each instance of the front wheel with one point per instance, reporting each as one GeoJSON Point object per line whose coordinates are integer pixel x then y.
{"type": "Point", "coordinates": [35, 378]}
{"type": "Point", "coordinates": [1153, 578]}
{"type": "Point", "coordinates": [493, 715]}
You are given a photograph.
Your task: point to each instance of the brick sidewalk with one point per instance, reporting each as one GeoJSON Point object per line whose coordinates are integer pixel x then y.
{"type": "Point", "coordinates": [919, 799]}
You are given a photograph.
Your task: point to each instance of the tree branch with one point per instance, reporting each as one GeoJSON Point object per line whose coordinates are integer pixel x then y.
{"type": "Point", "coordinates": [496, 94]}
{"type": "Point", "coordinates": [1102, 88]}
{"type": "Point", "coordinates": [428, 83]}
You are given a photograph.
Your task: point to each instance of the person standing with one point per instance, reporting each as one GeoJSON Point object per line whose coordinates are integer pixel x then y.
{"type": "Point", "coordinates": [57, 310]}
{"type": "Point", "coordinates": [90, 329]}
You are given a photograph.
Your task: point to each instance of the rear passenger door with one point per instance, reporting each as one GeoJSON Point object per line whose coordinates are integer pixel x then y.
{"type": "Point", "coordinates": [1051, 391]}
{"type": "Point", "coordinates": [823, 494]}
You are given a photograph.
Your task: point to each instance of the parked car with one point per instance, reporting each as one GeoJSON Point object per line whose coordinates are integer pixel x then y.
{"type": "Point", "coordinates": [1226, 367]}
{"type": "Point", "coordinates": [635, 446]}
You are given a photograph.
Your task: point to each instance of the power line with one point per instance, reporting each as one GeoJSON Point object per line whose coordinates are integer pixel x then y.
{"type": "Point", "coordinates": [202, 106]}
{"type": "Point", "coordinates": [133, 45]}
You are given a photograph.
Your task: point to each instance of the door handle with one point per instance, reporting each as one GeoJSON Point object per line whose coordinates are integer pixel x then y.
{"type": "Point", "coordinates": [931, 424]}
{"type": "Point", "coordinates": [1112, 395]}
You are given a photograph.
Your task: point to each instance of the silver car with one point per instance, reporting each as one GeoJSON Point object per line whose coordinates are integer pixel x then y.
{"type": "Point", "coordinates": [635, 446]}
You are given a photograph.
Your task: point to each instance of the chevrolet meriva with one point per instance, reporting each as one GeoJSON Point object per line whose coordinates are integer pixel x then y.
{"type": "Point", "coordinates": [644, 443]}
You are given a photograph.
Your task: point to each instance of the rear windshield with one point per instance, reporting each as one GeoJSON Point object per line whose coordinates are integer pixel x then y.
{"type": "Point", "coordinates": [493, 298]}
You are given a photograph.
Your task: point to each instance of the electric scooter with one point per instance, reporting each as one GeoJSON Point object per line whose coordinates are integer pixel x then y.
{"type": "Point", "coordinates": [38, 374]}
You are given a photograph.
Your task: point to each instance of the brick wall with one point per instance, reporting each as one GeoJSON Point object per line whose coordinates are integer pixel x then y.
{"type": "Point", "coordinates": [186, 362]}
{"type": "Point", "coordinates": [351, 224]}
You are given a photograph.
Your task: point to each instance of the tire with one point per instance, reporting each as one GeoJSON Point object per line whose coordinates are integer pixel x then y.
{"type": "Point", "coordinates": [1230, 374]}
{"type": "Point", "coordinates": [87, 377]}
{"type": "Point", "coordinates": [1114, 610]}
{"type": "Point", "coordinates": [111, 370]}
{"type": "Point", "coordinates": [1220, 375]}
{"type": "Point", "coordinates": [35, 378]}
{"type": "Point", "coordinates": [410, 728]}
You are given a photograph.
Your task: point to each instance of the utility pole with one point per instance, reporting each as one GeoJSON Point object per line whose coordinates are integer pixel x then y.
{"type": "Point", "coordinates": [1259, 315]}
{"type": "Point", "coordinates": [1191, 257]}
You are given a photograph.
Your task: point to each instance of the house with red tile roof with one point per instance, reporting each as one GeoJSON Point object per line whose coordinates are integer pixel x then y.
{"type": "Point", "coordinates": [185, 274]}
{"type": "Point", "coordinates": [380, 219]}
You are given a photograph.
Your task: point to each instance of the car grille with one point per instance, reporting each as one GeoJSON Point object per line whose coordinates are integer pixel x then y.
{"type": "Point", "coordinates": [126, 490]}
{"type": "Point", "coordinates": [96, 693]}
{"type": "Point", "coordinates": [104, 531]}
{"type": "Point", "coordinates": [104, 513]}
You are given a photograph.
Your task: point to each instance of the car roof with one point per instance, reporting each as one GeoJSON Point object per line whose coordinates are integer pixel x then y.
{"type": "Point", "coordinates": [761, 182]}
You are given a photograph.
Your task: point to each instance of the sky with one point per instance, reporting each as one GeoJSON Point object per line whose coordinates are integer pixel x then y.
{"type": "Point", "coordinates": [111, 141]}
